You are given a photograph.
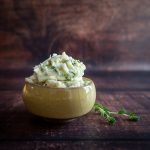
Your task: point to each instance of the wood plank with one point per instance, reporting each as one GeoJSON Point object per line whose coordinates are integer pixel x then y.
{"type": "Point", "coordinates": [104, 81]}
{"type": "Point", "coordinates": [121, 81]}
{"type": "Point", "coordinates": [11, 83]}
{"type": "Point", "coordinates": [80, 145]}
{"type": "Point", "coordinates": [112, 34]}
{"type": "Point", "coordinates": [17, 124]}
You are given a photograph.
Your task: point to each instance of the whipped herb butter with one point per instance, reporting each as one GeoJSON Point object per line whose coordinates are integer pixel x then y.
{"type": "Point", "coordinates": [59, 71]}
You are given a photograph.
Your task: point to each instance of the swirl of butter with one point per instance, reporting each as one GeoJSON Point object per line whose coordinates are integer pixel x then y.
{"type": "Point", "coordinates": [59, 71]}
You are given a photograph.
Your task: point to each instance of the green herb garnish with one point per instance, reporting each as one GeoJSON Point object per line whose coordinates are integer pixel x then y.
{"type": "Point", "coordinates": [107, 114]}
{"type": "Point", "coordinates": [131, 116]}
{"type": "Point", "coordinates": [54, 68]}
{"type": "Point", "coordinates": [68, 78]}
{"type": "Point", "coordinates": [73, 74]}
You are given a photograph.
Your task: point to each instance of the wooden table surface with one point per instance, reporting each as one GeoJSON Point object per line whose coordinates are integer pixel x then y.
{"type": "Point", "coordinates": [22, 130]}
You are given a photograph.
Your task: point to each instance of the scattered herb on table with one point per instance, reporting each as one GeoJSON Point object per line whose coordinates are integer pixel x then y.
{"type": "Point", "coordinates": [108, 115]}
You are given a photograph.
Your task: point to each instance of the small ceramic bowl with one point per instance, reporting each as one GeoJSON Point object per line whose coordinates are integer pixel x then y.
{"type": "Point", "coordinates": [59, 103]}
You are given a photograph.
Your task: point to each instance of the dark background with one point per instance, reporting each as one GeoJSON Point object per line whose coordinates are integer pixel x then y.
{"type": "Point", "coordinates": [108, 34]}
{"type": "Point", "coordinates": [112, 37]}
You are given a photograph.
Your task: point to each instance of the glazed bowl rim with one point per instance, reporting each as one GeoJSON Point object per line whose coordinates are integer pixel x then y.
{"type": "Point", "coordinates": [41, 86]}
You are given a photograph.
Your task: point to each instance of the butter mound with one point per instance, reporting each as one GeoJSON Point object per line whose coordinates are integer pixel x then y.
{"type": "Point", "coordinates": [59, 71]}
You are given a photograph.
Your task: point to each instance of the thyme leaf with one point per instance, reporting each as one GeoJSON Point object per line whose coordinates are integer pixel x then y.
{"type": "Point", "coordinates": [108, 114]}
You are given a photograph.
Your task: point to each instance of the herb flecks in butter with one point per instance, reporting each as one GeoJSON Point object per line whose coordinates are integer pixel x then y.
{"type": "Point", "coordinates": [59, 71]}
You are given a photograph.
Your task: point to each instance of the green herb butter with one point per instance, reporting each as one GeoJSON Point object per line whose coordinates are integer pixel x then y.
{"type": "Point", "coordinates": [59, 71]}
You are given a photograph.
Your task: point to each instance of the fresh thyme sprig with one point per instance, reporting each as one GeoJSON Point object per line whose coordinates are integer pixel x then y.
{"type": "Point", "coordinates": [107, 114]}
{"type": "Point", "coordinates": [131, 116]}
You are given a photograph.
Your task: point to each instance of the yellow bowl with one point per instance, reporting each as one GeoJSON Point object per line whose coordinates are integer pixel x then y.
{"type": "Point", "coordinates": [59, 103]}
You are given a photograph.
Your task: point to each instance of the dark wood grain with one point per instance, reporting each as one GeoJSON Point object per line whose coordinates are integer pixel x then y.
{"type": "Point", "coordinates": [105, 81]}
{"type": "Point", "coordinates": [110, 37]}
{"type": "Point", "coordinates": [111, 34]}
{"type": "Point", "coordinates": [17, 124]}
{"type": "Point", "coordinates": [76, 145]}
{"type": "Point", "coordinates": [21, 130]}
